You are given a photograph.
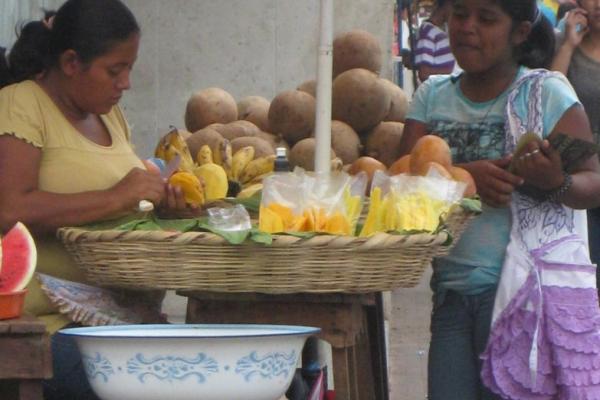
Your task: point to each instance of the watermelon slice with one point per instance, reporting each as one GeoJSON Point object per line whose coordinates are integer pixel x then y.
{"type": "Point", "coordinates": [19, 257]}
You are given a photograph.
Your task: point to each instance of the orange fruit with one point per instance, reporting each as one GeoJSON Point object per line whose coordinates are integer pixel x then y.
{"type": "Point", "coordinates": [400, 166]}
{"type": "Point", "coordinates": [369, 165]}
{"type": "Point", "coordinates": [427, 149]}
{"type": "Point", "coordinates": [462, 175]}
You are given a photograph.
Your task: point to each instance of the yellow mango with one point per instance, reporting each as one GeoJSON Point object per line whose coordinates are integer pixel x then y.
{"type": "Point", "coordinates": [338, 224]}
{"type": "Point", "coordinates": [269, 221]}
{"type": "Point", "coordinates": [285, 213]}
{"type": "Point", "coordinates": [190, 186]}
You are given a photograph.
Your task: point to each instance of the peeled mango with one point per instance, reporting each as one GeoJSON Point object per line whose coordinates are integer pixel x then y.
{"type": "Point", "coordinates": [279, 218]}
{"type": "Point", "coordinates": [191, 187]}
{"type": "Point", "coordinates": [403, 212]}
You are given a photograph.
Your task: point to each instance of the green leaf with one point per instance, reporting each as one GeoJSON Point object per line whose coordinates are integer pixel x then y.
{"type": "Point", "coordinates": [261, 237]}
{"type": "Point", "coordinates": [251, 203]}
{"type": "Point", "coordinates": [114, 223]}
{"type": "Point", "coordinates": [180, 225]}
{"type": "Point", "coordinates": [471, 204]}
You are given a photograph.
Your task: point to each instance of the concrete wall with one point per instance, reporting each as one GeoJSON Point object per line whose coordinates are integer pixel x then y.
{"type": "Point", "coordinates": [247, 47]}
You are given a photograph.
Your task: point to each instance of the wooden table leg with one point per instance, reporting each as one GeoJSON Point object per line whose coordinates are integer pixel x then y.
{"type": "Point", "coordinates": [350, 324]}
{"type": "Point", "coordinates": [31, 390]}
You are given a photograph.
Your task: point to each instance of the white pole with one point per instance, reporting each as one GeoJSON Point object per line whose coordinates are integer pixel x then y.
{"type": "Point", "coordinates": [324, 76]}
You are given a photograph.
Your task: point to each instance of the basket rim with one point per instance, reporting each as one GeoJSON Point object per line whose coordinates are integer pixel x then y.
{"type": "Point", "coordinates": [378, 240]}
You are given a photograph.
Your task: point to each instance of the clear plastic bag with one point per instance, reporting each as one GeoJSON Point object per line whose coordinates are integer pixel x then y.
{"type": "Point", "coordinates": [304, 202]}
{"type": "Point", "coordinates": [229, 219]}
{"type": "Point", "coordinates": [405, 203]}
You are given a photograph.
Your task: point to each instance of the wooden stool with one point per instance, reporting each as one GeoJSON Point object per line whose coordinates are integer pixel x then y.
{"type": "Point", "coordinates": [352, 324]}
{"type": "Point", "coordinates": [25, 358]}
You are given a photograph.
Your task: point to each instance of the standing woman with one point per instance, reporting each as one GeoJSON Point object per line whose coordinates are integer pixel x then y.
{"type": "Point", "coordinates": [65, 152]}
{"type": "Point", "coordinates": [578, 57]}
{"type": "Point", "coordinates": [482, 113]}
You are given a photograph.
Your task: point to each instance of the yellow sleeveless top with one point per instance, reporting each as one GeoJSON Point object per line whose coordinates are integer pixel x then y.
{"type": "Point", "coordinates": [70, 163]}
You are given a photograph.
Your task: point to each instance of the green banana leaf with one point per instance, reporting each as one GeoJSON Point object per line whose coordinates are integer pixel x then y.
{"type": "Point", "coordinates": [153, 223]}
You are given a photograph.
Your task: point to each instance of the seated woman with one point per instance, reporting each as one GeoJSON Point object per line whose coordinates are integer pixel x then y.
{"type": "Point", "coordinates": [65, 152]}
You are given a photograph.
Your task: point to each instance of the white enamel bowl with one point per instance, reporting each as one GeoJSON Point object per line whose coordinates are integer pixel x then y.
{"type": "Point", "coordinates": [180, 362]}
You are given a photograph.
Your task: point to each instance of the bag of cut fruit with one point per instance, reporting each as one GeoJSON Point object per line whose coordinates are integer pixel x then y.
{"type": "Point", "coordinates": [304, 202]}
{"type": "Point", "coordinates": [408, 203]}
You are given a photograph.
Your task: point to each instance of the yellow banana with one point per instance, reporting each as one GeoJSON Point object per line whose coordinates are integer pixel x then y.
{"type": "Point", "coordinates": [215, 180]}
{"type": "Point", "coordinates": [256, 167]}
{"type": "Point", "coordinates": [170, 145]}
{"type": "Point", "coordinates": [204, 155]}
{"type": "Point", "coordinates": [249, 191]}
{"type": "Point", "coordinates": [240, 159]}
{"type": "Point", "coordinates": [222, 156]}
{"type": "Point", "coordinates": [336, 165]}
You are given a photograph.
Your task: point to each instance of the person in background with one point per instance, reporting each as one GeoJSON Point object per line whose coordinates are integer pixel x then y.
{"type": "Point", "coordinates": [66, 157]}
{"type": "Point", "coordinates": [497, 44]}
{"type": "Point", "coordinates": [547, 12]}
{"type": "Point", "coordinates": [561, 14]}
{"type": "Point", "coordinates": [578, 57]}
{"type": "Point", "coordinates": [432, 54]}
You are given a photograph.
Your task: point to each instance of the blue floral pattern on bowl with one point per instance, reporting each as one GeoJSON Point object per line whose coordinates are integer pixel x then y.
{"type": "Point", "coordinates": [171, 368]}
{"type": "Point", "coordinates": [269, 366]}
{"type": "Point", "coordinates": [97, 366]}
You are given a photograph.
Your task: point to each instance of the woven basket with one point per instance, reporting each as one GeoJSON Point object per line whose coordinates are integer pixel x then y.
{"type": "Point", "coordinates": [207, 262]}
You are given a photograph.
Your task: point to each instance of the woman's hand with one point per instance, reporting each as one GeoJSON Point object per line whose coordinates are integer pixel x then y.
{"type": "Point", "coordinates": [539, 164]}
{"type": "Point", "coordinates": [494, 183]}
{"type": "Point", "coordinates": [139, 184]}
{"type": "Point", "coordinates": [174, 205]}
{"type": "Point", "coordinates": [576, 26]}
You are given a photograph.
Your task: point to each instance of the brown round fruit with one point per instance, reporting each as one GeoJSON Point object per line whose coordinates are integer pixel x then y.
{"type": "Point", "coordinates": [208, 106]}
{"type": "Point", "coordinates": [356, 49]}
{"type": "Point", "coordinates": [309, 87]}
{"type": "Point", "coordinates": [345, 142]}
{"type": "Point", "coordinates": [360, 99]}
{"type": "Point", "coordinates": [256, 110]}
{"type": "Point", "coordinates": [398, 102]}
{"type": "Point", "coordinates": [236, 129]}
{"type": "Point", "coordinates": [302, 154]}
{"type": "Point", "coordinates": [204, 136]}
{"type": "Point", "coordinates": [383, 142]}
{"type": "Point", "coordinates": [429, 148]}
{"type": "Point", "coordinates": [292, 115]}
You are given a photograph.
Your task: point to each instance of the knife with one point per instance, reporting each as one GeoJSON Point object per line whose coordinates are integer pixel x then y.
{"type": "Point", "coordinates": [170, 168]}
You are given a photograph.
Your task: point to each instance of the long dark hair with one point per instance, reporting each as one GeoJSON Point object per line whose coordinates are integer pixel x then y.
{"type": "Point", "coordinates": [538, 50]}
{"type": "Point", "coordinates": [89, 27]}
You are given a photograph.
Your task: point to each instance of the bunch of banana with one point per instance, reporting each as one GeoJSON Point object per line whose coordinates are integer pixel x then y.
{"type": "Point", "coordinates": [212, 174]}
{"type": "Point", "coordinates": [244, 173]}
{"type": "Point", "coordinates": [171, 144]}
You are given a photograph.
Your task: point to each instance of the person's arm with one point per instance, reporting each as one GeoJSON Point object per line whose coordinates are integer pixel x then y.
{"type": "Point", "coordinates": [21, 200]}
{"type": "Point", "coordinates": [542, 168]}
{"type": "Point", "coordinates": [571, 38]}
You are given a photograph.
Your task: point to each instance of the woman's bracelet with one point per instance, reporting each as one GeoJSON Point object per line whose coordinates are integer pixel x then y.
{"type": "Point", "coordinates": [555, 194]}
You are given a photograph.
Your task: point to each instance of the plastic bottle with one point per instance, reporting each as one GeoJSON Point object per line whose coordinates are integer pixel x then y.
{"type": "Point", "coordinates": [281, 161]}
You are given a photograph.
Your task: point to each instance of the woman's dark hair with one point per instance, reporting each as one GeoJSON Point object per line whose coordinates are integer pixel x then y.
{"type": "Point", "coordinates": [4, 73]}
{"type": "Point", "coordinates": [538, 50]}
{"type": "Point", "coordinates": [89, 27]}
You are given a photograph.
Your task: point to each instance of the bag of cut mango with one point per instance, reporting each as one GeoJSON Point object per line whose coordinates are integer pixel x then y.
{"type": "Point", "coordinates": [405, 203]}
{"type": "Point", "coordinates": [302, 202]}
